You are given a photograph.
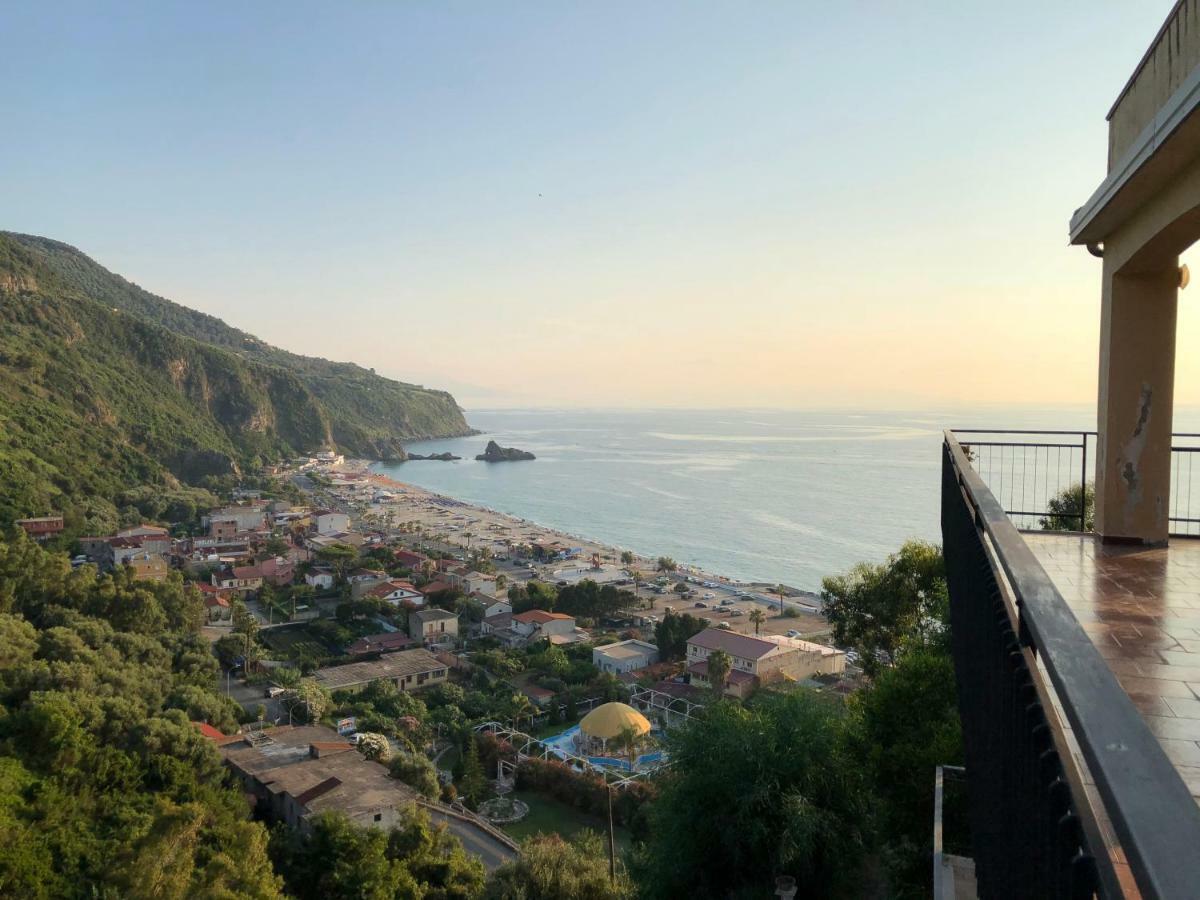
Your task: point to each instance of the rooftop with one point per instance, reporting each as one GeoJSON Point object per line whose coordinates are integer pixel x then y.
{"type": "Point", "coordinates": [732, 643]}
{"type": "Point", "coordinates": [735, 676]}
{"type": "Point", "coordinates": [433, 615]}
{"type": "Point", "coordinates": [539, 616]}
{"type": "Point", "coordinates": [394, 665]}
{"type": "Point", "coordinates": [631, 649]}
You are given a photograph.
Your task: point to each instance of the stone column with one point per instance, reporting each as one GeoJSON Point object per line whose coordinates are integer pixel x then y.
{"type": "Point", "coordinates": [1136, 400]}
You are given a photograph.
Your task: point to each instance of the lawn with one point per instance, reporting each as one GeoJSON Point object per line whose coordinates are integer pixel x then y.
{"type": "Point", "coordinates": [547, 816]}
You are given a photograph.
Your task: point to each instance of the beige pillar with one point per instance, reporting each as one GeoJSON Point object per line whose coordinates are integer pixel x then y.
{"type": "Point", "coordinates": [1136, 398]}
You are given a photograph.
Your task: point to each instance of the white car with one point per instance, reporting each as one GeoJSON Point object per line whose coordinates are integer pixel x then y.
{"type": "Point", "coordinates": [708, 595]}
{"type": "Point", "coordinates": [793, 633]}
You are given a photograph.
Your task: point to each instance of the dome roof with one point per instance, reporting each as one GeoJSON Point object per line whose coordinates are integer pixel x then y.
{"type": "Point", "coordinates": [611, 719]}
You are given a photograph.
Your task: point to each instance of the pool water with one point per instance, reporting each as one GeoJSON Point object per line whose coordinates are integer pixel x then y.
{"type": "Point", "coordinates": [564, 745]}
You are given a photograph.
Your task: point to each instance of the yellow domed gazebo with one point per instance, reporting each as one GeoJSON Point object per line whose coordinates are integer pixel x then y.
{"type": "Point", "coordinates": [606, 722]}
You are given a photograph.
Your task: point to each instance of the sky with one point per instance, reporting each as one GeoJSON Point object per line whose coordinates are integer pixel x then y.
{"type": "Point", "coordinates": [794, 204]}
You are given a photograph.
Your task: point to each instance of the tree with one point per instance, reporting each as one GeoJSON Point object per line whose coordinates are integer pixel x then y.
{"type": "Point", "coordinates": [549, 868]}
{"type": "Point", "coordinates": [680, 588]}
{"type": "Point", "coordinates": [339, 556]}
{"type": "Point", "coordinates": [757, 617]}
{"type": "Point", "coordinates": [719, 665]}
{"type": "Point", "coordinates": [626, 557]}
{"type": "Point", "coordinates": [520, 707]}
{"type": "Point", "coordinates": [781, 592]}
{"type": "Point", "coordinates": [473, 785]}
{"type": "Point", "coordinates": [630, 740]}
{"type": "Point", "coordinates": [340, 861]}
{"type": "Point", "coordinates": [1065, 507]}
{"type": "Point", "coordinates": [246, 625]}
{"type": "Point", "coordinates": [666, 564]}
{"type": "Point", "coordinates": [307, 702]}
{"type": "Point", "coordinates": [375, 746]}
{"type": "Point", "coordinates": [788, 802]}
{"type": "Point", "coordinates": [902, 728]}
{"type": "Point", "coordinates": [885, 610]}
{"type": "Point", "coordinates": [416, 771]}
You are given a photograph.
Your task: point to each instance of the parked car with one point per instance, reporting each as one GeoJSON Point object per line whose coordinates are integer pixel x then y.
{"type": "Point", "coordinates": [727, 602]}
{"type": "Point", "coordinates": [724, 626]}
{"type": "Point", "coordinates": [273, 691]}
{"type": "Point", "coordinates": [708, 595]}
{"type": "Point", "coordinates": [737, 612]}
{"type": "Point", "coordinates": [793, 633]}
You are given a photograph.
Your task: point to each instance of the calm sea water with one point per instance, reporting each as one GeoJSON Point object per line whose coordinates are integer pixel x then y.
{"type": "Point", "coordinates": [763, 495]}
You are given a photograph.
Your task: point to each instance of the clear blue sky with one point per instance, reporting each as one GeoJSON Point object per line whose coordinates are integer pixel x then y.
{"type": "Point", "coordinates": [610, 203]}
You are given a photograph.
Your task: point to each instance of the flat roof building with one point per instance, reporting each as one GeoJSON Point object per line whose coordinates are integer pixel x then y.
{"type": "Point", "coordinates": [407, 669]}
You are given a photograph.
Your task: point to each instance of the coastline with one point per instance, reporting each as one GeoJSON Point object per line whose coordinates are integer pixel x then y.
{"type": "Point", "coordinates": [478, 523]}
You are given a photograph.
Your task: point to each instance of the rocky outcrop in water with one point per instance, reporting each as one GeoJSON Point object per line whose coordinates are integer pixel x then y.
{"type": "Point", "coordinates": [495, 453]}
{"type": "Point", "coordinates": [440, 457]}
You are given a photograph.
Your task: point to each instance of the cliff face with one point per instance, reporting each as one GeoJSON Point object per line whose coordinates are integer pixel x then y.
{"type": "Point", "coordinates": [104, 387]}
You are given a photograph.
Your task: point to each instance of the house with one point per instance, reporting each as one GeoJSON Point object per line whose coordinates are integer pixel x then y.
{"type": "Point", "coordinates": [385, 642]}
{"type": "Point", "coordinates": [495, 624]}
{"type": "Point", "coordinates": [242, 579]}
{"type": "Point", "coordinates": [320, 578]}
{"type": "Point", "coordinates": [327, 522]}
{"type": "Point", "coordinates": [249, 517]}
{"type": "Point", "coordinates": [410, 560]}
{"type": "Point", "coordinates": [540, 696]}
{"type": "Point", "coordinates": [148, 567]}
{"type": "Point", "coordinates": [469, 581]}
{"type": "Point", "coordinates": [433, 626]}
{"type": "Point", "coordinates": [395, 592]}
{"type": "Point", "coordinates": [349, 538]}
{"type": "Point", "coordinates": [624, 656]}
{"type": "Point", "coordinates": [298, 773]}
{"type": "Point", "coordinates": [41, 528]}
{"type": "Point", "coordinates": [278, 571]}
{"type": "Point", "coordinates": [362, 580]}
{"type": "Point", "coordinates": [757, 661]}
{"type": "Point", "coordinates": [216, 602]}
{"type": "Point", "coordinates": [496, 607]}
{"type": "Point", "coordinates": [436, 587]}
{"type": "Point", "coordinates": [407, 669]}
{"type": "Point", "coordinates": [535, 624]}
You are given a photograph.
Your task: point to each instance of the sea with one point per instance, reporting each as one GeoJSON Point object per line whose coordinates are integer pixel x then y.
{"type": "Point", "coordinates": [756, 495]}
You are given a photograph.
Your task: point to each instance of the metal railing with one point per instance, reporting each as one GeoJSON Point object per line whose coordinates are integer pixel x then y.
{"type": "Point", "coordinates": [1030, 471]}
{"type": "Point", "coordinates": [1018, 650]}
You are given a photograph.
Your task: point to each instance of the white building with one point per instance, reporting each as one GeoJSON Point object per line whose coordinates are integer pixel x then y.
{"type": "Point", "coordinates": [331, 522]}
{"type": "Point", "coordinates": [624, 656]}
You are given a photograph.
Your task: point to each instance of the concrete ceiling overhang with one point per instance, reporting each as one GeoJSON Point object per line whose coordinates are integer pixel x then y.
{"type": "Point", "coordinates": [1163, 149]}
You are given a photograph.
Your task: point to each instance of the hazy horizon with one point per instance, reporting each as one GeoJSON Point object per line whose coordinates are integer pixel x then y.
{"type": "Point", "coordinates": [618, 206]}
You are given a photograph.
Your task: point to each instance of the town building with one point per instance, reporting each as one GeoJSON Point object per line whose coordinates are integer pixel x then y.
{"type": "Point", "coordinates": [250, 516]}
{"type": "Point", "coordinates": [240, 579]}
{"type": "Point", "coordinates": [294, 774]}
{"type": "Point", "coordinates": [433, 626]}
{"type": "Point", "coordinates": [326, 522]}
{"type": "Point", "coordinates": [558, 628]}
{"type": "Point", "coordinates": [624, 656]}
{"type": "Point", "coordinates": [148, 567]}
{"type": "Point", "coordinates": [395, 592]}
{"type": "Point", "coordinates": [385, 642]}
{"type": "Point", "coordinates": [319, 578]}
{"type": "Point", "coordinates": [41, 528]}
{"type": "Point", "coordinates": [757, 661]}
{"type": "Point", "coordinates": [407, 669]}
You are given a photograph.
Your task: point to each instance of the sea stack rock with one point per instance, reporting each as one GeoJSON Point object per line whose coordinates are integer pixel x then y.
{"type": "Point", "coordinates": [495, 453]}
{"type": "Point", "coordinates": [440, 457]}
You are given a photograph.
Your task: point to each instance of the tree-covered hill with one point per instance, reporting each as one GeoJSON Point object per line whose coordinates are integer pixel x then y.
{"type": "Point", "coordinates": [368, 414]}
{"type": "Point", "coordinates": [105, 388]}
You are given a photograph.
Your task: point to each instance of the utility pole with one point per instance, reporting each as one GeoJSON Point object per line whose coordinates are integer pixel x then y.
{"type": "Point", "coordinates": [612, 841]}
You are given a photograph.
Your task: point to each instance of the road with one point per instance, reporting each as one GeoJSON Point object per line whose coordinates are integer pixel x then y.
{"type": "Point", "coordinates": [492, 852]}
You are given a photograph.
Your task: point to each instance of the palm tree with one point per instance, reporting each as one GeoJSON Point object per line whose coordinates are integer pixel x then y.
{"type": "Point", "coordinates": [521, 707]}
{"type": "Point", "coordinates": [757, 617]}
{"type": "Point", "coordinates": [719, 665]}
{"type": "Point", "coordinates": [630, 740]}
{"type": "Point", "coordinates": [666, 564]}
{"type": "Point", "coordinates": [782, 592]}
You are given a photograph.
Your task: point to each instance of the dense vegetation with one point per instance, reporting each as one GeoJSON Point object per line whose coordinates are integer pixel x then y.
{"type": "Point", "coordinates": [105, 388]}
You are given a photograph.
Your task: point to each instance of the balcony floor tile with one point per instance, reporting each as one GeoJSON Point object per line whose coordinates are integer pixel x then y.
{"type": "Point", "coordinates": [1141, 608]}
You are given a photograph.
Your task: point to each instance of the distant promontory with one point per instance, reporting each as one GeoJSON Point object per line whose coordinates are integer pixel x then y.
{"type": "Point", "coordinates": [495, 453]}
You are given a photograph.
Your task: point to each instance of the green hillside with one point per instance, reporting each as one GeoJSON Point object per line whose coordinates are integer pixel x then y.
{"type": "Point", "coordinates": [105, 388]}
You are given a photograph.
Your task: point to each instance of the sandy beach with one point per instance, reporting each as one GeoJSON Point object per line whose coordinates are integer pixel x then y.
{"type": "Point", "coordinates": [471, 526]}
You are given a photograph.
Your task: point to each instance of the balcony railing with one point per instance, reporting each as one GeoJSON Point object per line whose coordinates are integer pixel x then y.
{"type": "Point", "coordinates": [1020, 659]}
{"type": "Point", "coordinates": [1026, 470]}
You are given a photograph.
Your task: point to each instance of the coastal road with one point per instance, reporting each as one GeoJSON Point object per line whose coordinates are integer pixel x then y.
{"type": "Point", "coordinates": [477, 841]}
